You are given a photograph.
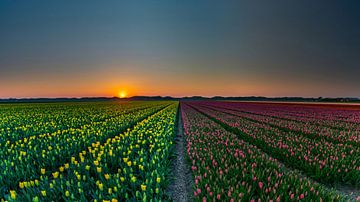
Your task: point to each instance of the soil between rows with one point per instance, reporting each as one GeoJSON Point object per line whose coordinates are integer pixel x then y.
{"type": "Point", "coordinates": [181, 183]}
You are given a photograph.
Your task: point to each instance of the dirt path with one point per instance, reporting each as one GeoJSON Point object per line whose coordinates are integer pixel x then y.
{"type": "Point", "coordinates": [181, 185]}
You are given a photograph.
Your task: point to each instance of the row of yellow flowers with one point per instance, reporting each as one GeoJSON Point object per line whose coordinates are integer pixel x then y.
{"type": "Point", "coordinates": [123, 167]}
{"type": "Point", "coordinates": [51, 151]}
{"type": "Point", "coordinates": [19, 122]}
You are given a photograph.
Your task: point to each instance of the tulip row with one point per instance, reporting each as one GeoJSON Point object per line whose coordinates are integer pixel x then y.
{"type": "Point", "coordinates": [226, 168]}
{"type": "Point", "coordinates": [130, 166]}
{"type": "Point", "coordinates": [308, 129]}
{"type": "Point", "coordinates": [321, 160]}
{"type": "Point", "coordinates": [21, 121]}
{"type": "Point", "coordinates": [330, 116]}
{"type": "Point", "coordinates": [21, 161]}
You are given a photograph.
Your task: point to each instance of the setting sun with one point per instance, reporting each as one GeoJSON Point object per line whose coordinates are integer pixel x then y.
{"type": "Point", "coordinates": [122, 94]}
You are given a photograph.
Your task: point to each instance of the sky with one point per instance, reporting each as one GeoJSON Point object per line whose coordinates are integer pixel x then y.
{"type": "Point", "coordinates": [179, 48]}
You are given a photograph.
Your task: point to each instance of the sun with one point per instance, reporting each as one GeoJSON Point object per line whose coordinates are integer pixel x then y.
{"type": "Point", "coordinates": [122, 94]}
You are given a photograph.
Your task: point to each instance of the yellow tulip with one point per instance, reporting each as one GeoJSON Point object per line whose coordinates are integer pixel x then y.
{"type": "Point", "coordinates": [129, 163]}
{"type": "Point", "coordinates": [122, 179]}
{"type": "Point", "coordinates": [21, 185]}
{"type": "Point", "coordinates": [101, 186]}
{"type": "Point", "coordinates": [55, 175]}
{"type": "Point", "coordinates": [43, 193]}
{"type": "Point", "coordinates": [66, 165]}
{"type": "Point", "coordinates": [158, 180]}
{"type": "Point", "coordinates": [61, 169]}
{"type": "Point", "coordinates": [143, 187]}
{"type": "Point", "coordinates": [43, 171]}
{"type": "Point", "coordinates": [67, 193]}
{"type": "Point", "coordinates": [98, 169]}
{"type": "Point", "coordinates": [13, 194]}
{"type": "Point", "coordinates": [107, 176]}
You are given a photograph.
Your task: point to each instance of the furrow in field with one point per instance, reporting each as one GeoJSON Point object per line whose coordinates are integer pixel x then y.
{"type": "Point", "coordinates": [181, 184]}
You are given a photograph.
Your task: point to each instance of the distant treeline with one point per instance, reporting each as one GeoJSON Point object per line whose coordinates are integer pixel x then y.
{"type": "Point", "coordinates": [144, 98]}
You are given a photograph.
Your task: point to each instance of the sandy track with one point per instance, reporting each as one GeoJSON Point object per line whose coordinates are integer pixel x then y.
{"type": "Point", "coordinates": [181, 184]}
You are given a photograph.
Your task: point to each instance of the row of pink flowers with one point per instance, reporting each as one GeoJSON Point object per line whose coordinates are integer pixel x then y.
{"type": "Point", "coordinates": [334, 130]}
{"type": "Point", "coordinates": [226, 168]}
{"type": "Point", "coordinates": [322, 160]}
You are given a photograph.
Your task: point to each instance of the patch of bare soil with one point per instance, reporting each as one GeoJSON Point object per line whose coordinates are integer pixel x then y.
{"type": "Point", "coordinates": [181, 183]}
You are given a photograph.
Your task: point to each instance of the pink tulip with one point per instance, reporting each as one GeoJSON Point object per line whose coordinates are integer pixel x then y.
{"type": "Point", "coordinates": [261, 185]}
{"type": "Point", "coordinates": [301, 196]}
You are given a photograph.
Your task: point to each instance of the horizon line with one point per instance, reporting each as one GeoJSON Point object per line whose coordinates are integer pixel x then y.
{"type": "Point", "coordinates": [176, 97]}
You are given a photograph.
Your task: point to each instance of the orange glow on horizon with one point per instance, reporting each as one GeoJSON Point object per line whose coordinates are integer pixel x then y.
{"type": "Point", "coordinates": [122, 94]}
{"type": "Point", "coordinates": [106, 84]}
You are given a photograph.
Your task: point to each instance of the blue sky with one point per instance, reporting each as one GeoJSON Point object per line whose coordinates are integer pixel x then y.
{"type": "Point", "coordinates": [179, 48]}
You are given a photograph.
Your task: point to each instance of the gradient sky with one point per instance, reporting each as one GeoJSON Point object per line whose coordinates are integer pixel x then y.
{"type": "Point", "coordinates": [179, 48]}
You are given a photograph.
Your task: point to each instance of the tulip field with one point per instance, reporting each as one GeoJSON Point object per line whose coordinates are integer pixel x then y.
{"type": "Point", "coordinates": [257, 151]}
{"type": "Point", "coordinates": [92, 151]}
{"type": "Point", "coordinates": [124, 151]}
